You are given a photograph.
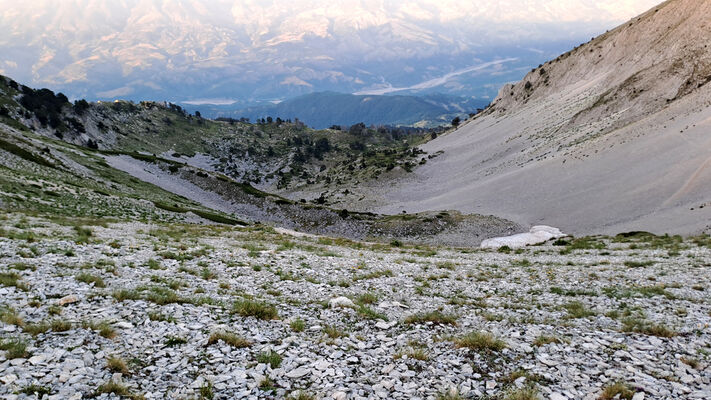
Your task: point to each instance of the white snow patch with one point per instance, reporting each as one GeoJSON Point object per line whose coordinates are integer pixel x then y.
{"type": "Point", "coordinates": [537, 234]}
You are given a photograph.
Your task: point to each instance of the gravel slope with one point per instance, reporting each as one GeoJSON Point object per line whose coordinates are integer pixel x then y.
{"type": "Point", "coordinates": [610, 137]}
{"type": "Point", "coordinates": [571, 320]}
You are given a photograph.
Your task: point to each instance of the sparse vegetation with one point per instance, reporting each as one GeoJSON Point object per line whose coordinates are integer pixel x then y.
{"type": "Point", "coordinates": [119, 389]}
{"type": "Point", "coordinates": [433, 317]}
{"type": "Point", "coordinates": [480, 341]}
{"type": "Point", "coordinates": [617, 390]}
{"type": "Point", "coordinates": [14, 348]}
{"type": "Point", "coordinates": [297, 325]}
{"type": "Point", "coordinates": [257, 309]}
{"type": "Point", "coordinates": [270, 357]}
{"type": "Point", "coordinates": [117, 364]}
{"type": "Point", "coordinates": [229, 338]}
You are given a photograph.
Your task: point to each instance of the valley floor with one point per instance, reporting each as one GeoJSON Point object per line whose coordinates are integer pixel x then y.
{"type": "Point", "coordinates": [193, 311]}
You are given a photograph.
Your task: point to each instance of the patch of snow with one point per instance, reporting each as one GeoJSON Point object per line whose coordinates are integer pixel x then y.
{"type": "Point", "coordinates": [538, 234]}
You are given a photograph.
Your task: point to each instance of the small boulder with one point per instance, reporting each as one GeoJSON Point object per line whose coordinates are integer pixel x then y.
{"type": "Point", "coordinates": [341, 302]}
{"type": "Point", "coordinates": [67, 300]}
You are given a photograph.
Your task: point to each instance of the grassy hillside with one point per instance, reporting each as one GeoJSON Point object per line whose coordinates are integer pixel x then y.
{"type": "Point", "coordinates": [275, 155]}
{"type": "Point", "coordinates": [48, 176]}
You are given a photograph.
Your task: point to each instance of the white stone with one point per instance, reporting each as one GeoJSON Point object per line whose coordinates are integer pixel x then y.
{"type": "Point", "coordinates": [341, 302]}
{"type": "Point", "coordinates": [298, 373]}
{"type": "Point", "coordinates": [8, 379]}
{"type": "Point", "coordinates": [34, 360]}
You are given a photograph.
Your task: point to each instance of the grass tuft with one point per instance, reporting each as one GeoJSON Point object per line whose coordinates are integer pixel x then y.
{"type": "Point", "coordinates": [89, 279]}
{"type": "Point", "coordinates": [229, 338]}
{"type": "Point", "coordinates": [257, 309]}
{"type": "Point", "coordinates": [14, 348]}
{"type": "Point", "coordinates": [270, 357]}
{"type": "Point", "coordinates": [434, 317]}
{"type": "Point", "coordinates": [480, 341]}
{"type": "Point", "coordinates": [618, 390]}
{"type": "Point", "coordinates": [117, 364]}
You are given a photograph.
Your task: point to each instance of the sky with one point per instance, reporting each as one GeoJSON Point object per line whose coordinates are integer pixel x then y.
{"type": "Point", "coordinates": [272, 49]}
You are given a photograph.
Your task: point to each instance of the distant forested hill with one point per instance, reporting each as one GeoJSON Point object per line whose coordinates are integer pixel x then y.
{"type": "Point", "coordinates": [324, 109]}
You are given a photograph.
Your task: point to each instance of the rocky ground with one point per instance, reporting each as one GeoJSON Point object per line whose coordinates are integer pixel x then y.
{"type": "Point", "coordinates": [135, 310]}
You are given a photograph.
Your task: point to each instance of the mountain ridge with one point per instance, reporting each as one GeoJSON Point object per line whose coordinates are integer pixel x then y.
{"type": "Point", "coordinates": [182, 50]}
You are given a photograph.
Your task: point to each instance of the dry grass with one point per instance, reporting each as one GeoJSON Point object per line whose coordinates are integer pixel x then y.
{"type": "Point", "coordinates": [480, 341]}
{"type": "Point", "coordinates": [117, 364]}
{"type": "Point", "coordinates": [434, 317]}
{"type": "Point", "coordinates": [229, 338]}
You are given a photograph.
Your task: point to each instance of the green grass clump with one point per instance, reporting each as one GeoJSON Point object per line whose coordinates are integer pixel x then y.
{"type": "Point", "coordinates": [638, 264]}
{"type": "Point", "coordinates": [153, 264]}
{"type": "Point", "coordinates": [157, 316]}
{"type": "Point", "coordinates": [126, 294]}
{"type": "Point", "coordinates": [257, 309]}
{"type": "Point", "coordinates": [36, 328]}
{"type": "Point", "coordinates": [14, 348]}
{"type": "Point", "coordinates": [9, 316]}
{"type": "Point", "coordinates": [333, 332]}
{"type": "Point", "coordinates": [104, 328]}
{"type": "Point", "coordinates": [368, 313]}
{"type": "Point", "coordinates": [89, 279]}
{"type": "Point", "coordinates": [13, 279]}
{"type": "Point", "coordinates": [36, 390]}
{"type": "Point", "coordinates": [270, 357]}
{"type": "Point", "coordinates": [162, 295]}
{"type": "Point", "coordinates": [413, 353]}
{"type": "Point", "coordinates": [23, 267]}
{"type": "Point", "coordinates": [229, 338]}
{"type": "Point", "coordinates": [524, 393]}
{"type": "Point", "coordinates": [577, 309]}
{"type": "Point", "coordinates": [297, 325]}
{"type": "Point", "coordinates": [434, 317]}
{"type": "Point", "coordinates": [301, 395]}
{"type": "Point", "coordinates": [82, 234]}
{"type": "Point", "coordinates": [639, 325]}
{"type": "Point", "coordinates": [366, 298]}
{"type": "Point", "coordinates": [480, 341]}
{"type": "Point", "coordinates": [206, 391]}
{"type": "Point", "coordinates": [375, 274]}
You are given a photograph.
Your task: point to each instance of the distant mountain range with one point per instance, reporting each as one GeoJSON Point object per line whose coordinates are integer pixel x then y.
{"type": "Point", "coordinates": [324, 109]}
{"type": "Point", "coordinates": [251, 51]}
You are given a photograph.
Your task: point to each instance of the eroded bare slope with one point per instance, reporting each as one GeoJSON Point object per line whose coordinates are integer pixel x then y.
{"type": "Point", "coordinates": [614, 135]}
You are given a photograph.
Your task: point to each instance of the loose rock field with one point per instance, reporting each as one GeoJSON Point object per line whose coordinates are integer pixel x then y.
{"type": "Point", "coordinates": [188, 312]}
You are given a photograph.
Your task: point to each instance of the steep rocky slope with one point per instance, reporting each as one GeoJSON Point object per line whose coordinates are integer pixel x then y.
{"type": "Point", "coordinates": [613, 135]}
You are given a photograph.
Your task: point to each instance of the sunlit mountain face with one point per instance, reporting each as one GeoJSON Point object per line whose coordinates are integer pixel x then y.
{"type": "Point", "coordinates": [250, 51]}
